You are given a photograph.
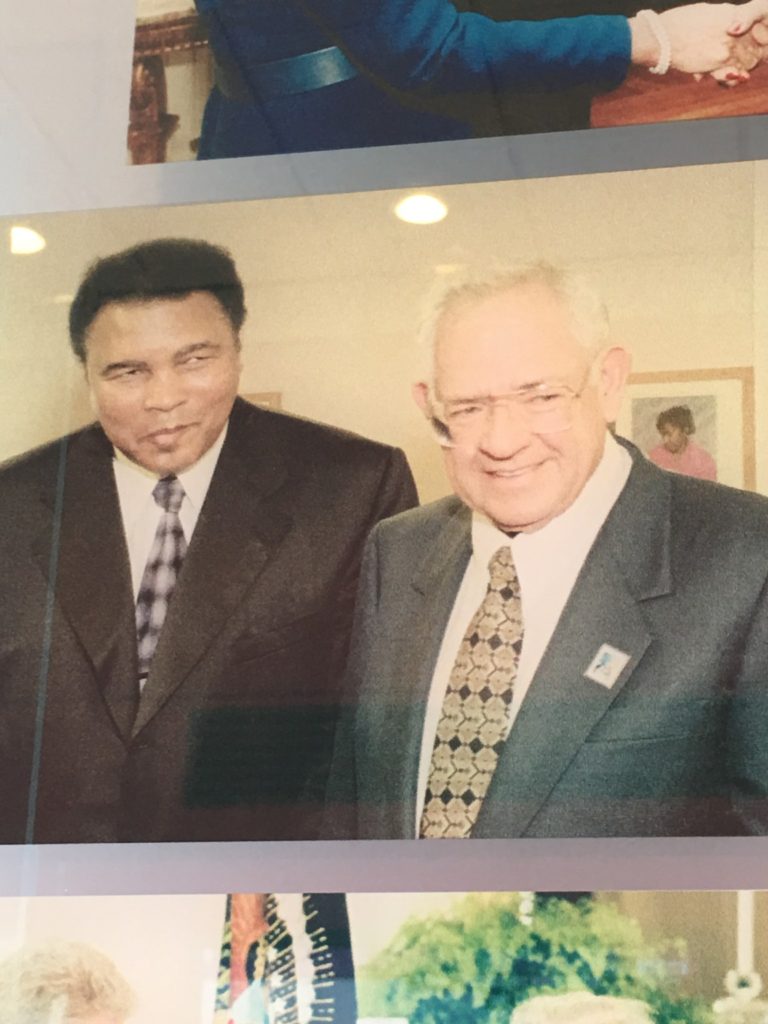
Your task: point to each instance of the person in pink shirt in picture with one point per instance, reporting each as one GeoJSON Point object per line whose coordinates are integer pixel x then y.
{"type": "Point", "coordinates": [677, 451]}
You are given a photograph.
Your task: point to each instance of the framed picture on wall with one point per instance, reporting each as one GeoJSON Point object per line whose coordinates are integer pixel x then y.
{"type": "Point", "coordinates": [698, 422]}
{"type": "Point", "coordinates": [266, 399]}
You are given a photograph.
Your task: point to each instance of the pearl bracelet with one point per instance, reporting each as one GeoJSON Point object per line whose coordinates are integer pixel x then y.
{"type": "Point", "coordinates": [660, 34]}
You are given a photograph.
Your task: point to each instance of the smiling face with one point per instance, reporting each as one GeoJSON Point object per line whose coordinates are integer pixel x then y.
{"type": "Point", "coordinates": [519, 478]}
{"type": "Point", "coordinates": [163, 376]}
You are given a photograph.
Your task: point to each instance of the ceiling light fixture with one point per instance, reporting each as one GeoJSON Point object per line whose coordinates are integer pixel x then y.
{"type": "Point", "coordinates": [421, 208]}
{"type": "Point", "coordinates": [25, 241]}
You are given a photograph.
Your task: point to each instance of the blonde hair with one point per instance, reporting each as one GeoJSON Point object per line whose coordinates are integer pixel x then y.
{"type": "Point", "coordinates": [588, 313]}
{"type": "Point", "coordinates": [581, 1008]}
{"type": "Point", "coordinates": [57, 980]}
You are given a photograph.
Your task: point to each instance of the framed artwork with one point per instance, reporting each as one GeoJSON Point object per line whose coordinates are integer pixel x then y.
{"type": "Point", "coordinates": [337, 288]}
{"type": "Point", "coordinates": [720, 408]}
{"type": "Point", "coordinates": [266, 399]}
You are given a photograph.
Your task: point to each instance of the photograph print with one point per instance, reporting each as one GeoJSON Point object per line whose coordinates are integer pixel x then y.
{"type": "Point", "coordinates": [224, 617]}
{"type": "Point", "coordinates": [624, 957]}
{"type": "Point", "coordinates": [228, 78]}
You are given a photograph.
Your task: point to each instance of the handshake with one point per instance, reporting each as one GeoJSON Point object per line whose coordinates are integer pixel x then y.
{"type": "Point", "coordinates": [722, 39]}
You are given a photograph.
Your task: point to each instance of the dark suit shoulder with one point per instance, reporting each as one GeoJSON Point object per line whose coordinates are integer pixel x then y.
{"type": "Point", "coordinates": [37, 464]}
{"type": "Point", "coordinates": [700, 512]}
{"type": "Point", "coordinates": [423, 522]}
{"type": "Point", "coordinates": [31, 485]}
{"type": "Point", "coordinates": [716, 534]}
{"type": "Point", "coordinates": [32, 463]}
{"type": "Point", "coordinates": [267, 426]}
{"type": "Point", "coordinates": [319, 466]}
{"type": "Point", "coordinates": [718, 505]}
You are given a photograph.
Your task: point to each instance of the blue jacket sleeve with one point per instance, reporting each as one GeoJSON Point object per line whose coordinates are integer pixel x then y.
{"type": "Point", "coordinates": [427, 45]}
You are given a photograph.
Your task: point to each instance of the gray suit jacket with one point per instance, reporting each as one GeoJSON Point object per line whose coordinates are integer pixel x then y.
{"type": "Point", "coordinates": [677, 579]}
{"type": "Point", "coordinates": [234, 728]}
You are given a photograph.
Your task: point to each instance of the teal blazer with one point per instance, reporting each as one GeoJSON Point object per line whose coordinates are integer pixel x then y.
{"type": "Point", "coordinates": [422, 70]}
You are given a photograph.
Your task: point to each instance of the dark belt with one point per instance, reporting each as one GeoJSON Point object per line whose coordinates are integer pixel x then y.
{"type": "Point", "coordinates": [287, 77]}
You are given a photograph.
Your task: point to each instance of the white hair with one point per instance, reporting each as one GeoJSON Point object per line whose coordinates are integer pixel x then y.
{"type": "Point", "coordinates": [581, 1008]}
{"type": "Point", "coordinates": [589, 316]}
{"type": "Point", "coordinates": [58, 980]}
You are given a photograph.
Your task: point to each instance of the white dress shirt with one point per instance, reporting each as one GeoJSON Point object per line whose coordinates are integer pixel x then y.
{"type": "Point", "coordinates": [547, 562]}
{"type": "Point", "coordinates": [141, 514]}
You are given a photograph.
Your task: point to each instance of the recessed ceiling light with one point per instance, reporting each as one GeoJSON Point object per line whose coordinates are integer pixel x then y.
{"type": "Point", "coordinates": [25, 241]}
{"type": "Point", "coordinates": [421, 208]}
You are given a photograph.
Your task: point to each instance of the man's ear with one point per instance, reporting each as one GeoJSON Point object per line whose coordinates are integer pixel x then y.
{"type": "Point", "coordinates": [420, 392]}
{"type": "Point", "coordinates": [614, 371]}
{"type": "Point", "coordinates": [89, 384]}
{"type": "Point", "coordinates": [91, 393]}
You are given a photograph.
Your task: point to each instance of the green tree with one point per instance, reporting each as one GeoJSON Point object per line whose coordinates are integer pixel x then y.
{"type": "Point", "coordinates": [476, 962]}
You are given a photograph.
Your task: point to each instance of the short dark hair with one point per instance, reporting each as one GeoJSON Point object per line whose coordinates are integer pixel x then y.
{"type": "Point", "coordinates": [676, 416]}
{"type": "Point", "coordinates": [166, 268]}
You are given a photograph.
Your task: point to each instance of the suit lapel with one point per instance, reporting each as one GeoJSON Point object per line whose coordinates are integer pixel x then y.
{"type": "Point", "coordinates": [628, 564]}
{"type": "Point", "coordinates": [236, 534]}
{"type": "Point", "coordinates": [90, 570]}
{"type": "Point", "coordinates": [401, 726]}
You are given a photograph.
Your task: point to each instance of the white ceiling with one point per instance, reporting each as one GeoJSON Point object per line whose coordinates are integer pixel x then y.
{"type": "Point", "coordinates": [336, 283]}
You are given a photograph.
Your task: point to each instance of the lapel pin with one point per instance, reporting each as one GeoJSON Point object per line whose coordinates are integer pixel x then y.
{"type": "Point", "coordinates": [607, 665]}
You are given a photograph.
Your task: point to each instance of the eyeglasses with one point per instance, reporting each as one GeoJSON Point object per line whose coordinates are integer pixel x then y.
{"type": "Point", "coordinates": [543, 408]}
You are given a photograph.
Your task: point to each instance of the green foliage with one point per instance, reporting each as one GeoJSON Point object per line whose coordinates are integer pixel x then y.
{"type": "Point", "coordinates": [475, 963]}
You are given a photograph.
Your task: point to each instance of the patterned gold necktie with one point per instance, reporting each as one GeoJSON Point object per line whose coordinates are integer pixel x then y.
{"type": "Point", "coordinates": [474, 721]}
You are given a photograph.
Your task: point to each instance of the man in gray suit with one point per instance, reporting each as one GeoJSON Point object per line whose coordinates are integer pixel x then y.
{"type": "Point", "coordinates": [576, 644]}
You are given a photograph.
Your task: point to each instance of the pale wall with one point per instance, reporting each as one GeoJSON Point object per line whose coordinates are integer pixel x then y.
{"type": "Point", "coordinates": [336, 286]}
{"type": "Point", "coordinates": [167, 947]}
{"type": "Point", "coordinates": [707, 922]}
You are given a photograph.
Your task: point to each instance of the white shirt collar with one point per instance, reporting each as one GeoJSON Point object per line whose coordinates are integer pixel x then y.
{"type": "Point", "coordinates": [582, 519]}
{"type": "Point", "coordinates": [135, 483]}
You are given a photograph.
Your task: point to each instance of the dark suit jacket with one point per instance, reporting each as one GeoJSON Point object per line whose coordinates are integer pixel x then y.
{"type": "Point", "coordinates": [234, 725]}
{"type": "Point", "coordinates": [427, 71]}
{"type": "Point", "coordinates": [677, 579]}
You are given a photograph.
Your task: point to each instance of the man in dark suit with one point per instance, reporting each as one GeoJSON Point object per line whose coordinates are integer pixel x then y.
{"type": "Point", "coordinates": [178, 578]}
{"type": "Point", "coordinates": [576, 644]}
